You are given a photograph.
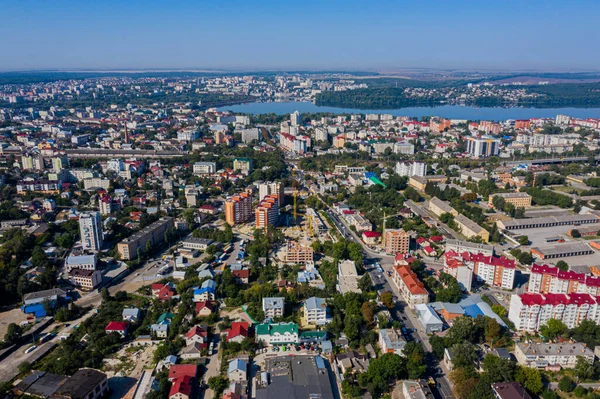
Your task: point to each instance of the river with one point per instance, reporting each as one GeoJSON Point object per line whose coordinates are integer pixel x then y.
{"type": "Point", "coordinates": [445, 111]}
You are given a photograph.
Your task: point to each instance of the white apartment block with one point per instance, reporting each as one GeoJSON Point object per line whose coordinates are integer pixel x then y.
{"type": "Point", "coordinates": [531, 311]}
{"type": "Point", "coordinates": [203, 168]}
{"type": "Point", "coordinates": [546, 279]}
{"type": "Point", "coordinates": [541, 355]}
{"type": "Point", "coordinates": [411, 168]}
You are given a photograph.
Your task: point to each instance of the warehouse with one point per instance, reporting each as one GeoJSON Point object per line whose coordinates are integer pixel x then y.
{"type": "Point", "coordinates": [549, 221]}
{"type": "Point", "coordinates": [562, 250]}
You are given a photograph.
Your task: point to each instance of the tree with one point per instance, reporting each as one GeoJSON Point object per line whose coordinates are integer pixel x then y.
{"type": "Point", "coordinates": [525, 258]}
{"type": "Point", "coordinates": [367, 312]}
{"type": "Point", "coordinates": [493, 332]}
{"type": "Point", "coordinates": [566, 384]}
{"type": "Point", "coordinates": [575, 233]}
{"type": "Point", "coordinates": [415, 360]}
{"type": "Point", "coordinates": [553, 329]}
{"type": "Point", "coordinates": [365, 284]}
{"type": "Point", "coordinates": [583, 369]}
{"type": "Point", "coordinates": [463, 355]}
{"type": "Point", "coordinates": [501, 369]}
{"type": "Point", "coordinates": [499, 310]}
{"type": "Point", "coordinates": [105, 294]}
{"type": "Point", "coordinates": [464, 382]}
{"type": "Point", "coordinates": [530, 379]}
{"type": "Point", "coordinates": [24, 367]}
{"type": "Point", "coordinates": [562, 265]}
{"type": "Point", "coordinates": [387, 299]}
{"type": "Point", "coordinates": [218, 384]}
{"type": "Point", "coordinates": [524, 240]}
{"type": "Point", "coordinates": [13, 334]}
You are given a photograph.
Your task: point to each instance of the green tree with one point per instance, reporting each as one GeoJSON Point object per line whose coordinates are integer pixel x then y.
{"type": "Point", "coordinates": [387, 299]}
{"type": "Point", "coordinates": [566, 384]}
{"type": "Point", "coordinates": [562, 265]}
{"type": "Point", "coordinates": [553, 329]}
{"type": "Point", "coordinates": [583, 369]}
{"type": "Point", "coordinates": [575, 233]}
{"type": "Point", "coordinates": [218, 384]}
{"type": "Point", "coordinates": [365, 284]}
{"type": "Point", "coordinates": [13, 334]}
{"type": "Point", "coordinates": [524, 240]}
{"type": "Point", "coordinates": [530, 379]}
{"type": "Point", "coordinates": [501, 369]}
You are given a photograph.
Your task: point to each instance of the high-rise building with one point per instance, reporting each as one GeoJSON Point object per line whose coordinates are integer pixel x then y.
{"type": "Point", "coordinates": [483, 146]}
{"type": "Point", "coordinates": [411, 168]}
{"type": "Point", "coordinates": [90, 228]}
{"type": "Point", "coordinates": [267, 212]}
{"type": "Point", "coordinates": [396, 241]}
{"type": "Point", "coordinates": [238, 209]}
{"type": "Point", "coordinates": [295, 118]}
{"type": "Point", "coordinates": [266, 189]}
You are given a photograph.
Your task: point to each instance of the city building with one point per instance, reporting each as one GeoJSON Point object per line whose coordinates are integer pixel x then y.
{"type": "Point", "coordinates": [531, 311]}
{"type": "Point", "coordinates": [87, 280]}
{"type": "Point", "coordinates": [416, 390]}
{"type": "Point", "coordinates": [412, 289]}
{"type": "Point", "coordinates": [547, 279]}
{"type": "Point", "coordinates": [267, 212]}
{"type": "Point", "coordinates": [496, 271]}
{"type": "Point", "coordinates": [470, 229]}
{"type": "Point", "coordinates": [277, 333]}
{"type": "Point", "coordinates": [85, 383]}
{"type": "Point", "coordinates": [90, 229]}
{"type": "Point", "coordinates": [206, 292]}
{"type": "Point", "coordinates": [419, 182]}
{"type": "Point", "coordinates": [272, 188]}
{"type": "Point", "coordinates": [519, 200]}
{"type": "Point", "coordinates": [273, 307]}
{"type": "Point", "coordinates": [411, 168]}
{"type": "Point", "coordinates": [238, 209]}
{"type": "Point", "coordinates": [542, 354]}
{"type": "Point", "coordinates": [562, 250]}
{"type": "Point", "coordinates": [129, 248]}
{"type": "Point", "coordinates": [439, 207]}
{"type": "Point", "coordinates": [314, 312]}
{"type": "Point", "coordinates": [482, 146]}
{"type": "Point", "coordinates": [298, 253]}
{"type": "Point", "coordinates": [428, 318]}
{"type": "Point", "coordinates": [460, 246]}
{"type": "Point", "coordinates": [244, 165]}
{"type": "Point", "coordinates": [296, 376]}
{"type": "Point", "coordinates": [396, 241]}
{"type": "Point", "coordinates": [547, 221]}
{"type": "Point", "coordinates": [203, 168]}
{"type": "Point", "coordinates": [83, 262]}
{"type": "Point", "coordinates": [509, 390]}
{"type": "Point", "coordinates": [347, 277]}
{"type": "Point", "coordinates": [391, 341]}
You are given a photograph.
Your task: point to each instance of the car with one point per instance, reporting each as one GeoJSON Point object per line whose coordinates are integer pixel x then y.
{"type": "Point", "coordinates": [403, 317]}
{"type": "Point", "coordinates": [31, 349]}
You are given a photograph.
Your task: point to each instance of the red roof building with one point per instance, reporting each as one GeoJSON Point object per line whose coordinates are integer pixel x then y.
{"type": "Point", "coordinates": [205, 308]}
{"type": "Point", "coordinates": [177, 371]}
{"type": "Point", "coordinates": [181, 388]}
{"type": "Point", "coordinates": [119, 327]}
{"type": "Point", "coordinates": [238, 331]}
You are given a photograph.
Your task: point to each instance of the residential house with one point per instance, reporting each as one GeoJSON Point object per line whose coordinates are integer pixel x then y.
{"type": "Point", "coordinates": [237, 370]}
{"type": "Point", "coordinates": [315, 311]}
{"type": "Point", "coordinates": [238, 331]}
{"type": "Point", "coordinates": [120, 327]}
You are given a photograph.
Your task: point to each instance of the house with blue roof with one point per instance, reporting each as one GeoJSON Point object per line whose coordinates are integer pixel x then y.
{"type": "Point", "coordinates": [206, 292]}
{"type": "Point", "coordinates": [237, 370]}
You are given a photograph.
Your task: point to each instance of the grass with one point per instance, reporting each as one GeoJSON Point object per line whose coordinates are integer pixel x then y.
{"type": "Point", "coordinates": [567, 189]}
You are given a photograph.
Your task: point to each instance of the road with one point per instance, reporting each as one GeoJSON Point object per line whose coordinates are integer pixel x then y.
{"type": "Point", "coordinates": [382, 282]}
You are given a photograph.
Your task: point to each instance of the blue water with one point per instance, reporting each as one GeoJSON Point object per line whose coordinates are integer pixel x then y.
{"type": "Point", "coordinates": [445, 111]}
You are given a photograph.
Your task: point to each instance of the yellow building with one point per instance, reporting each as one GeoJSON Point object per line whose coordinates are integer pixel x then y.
{"type": "Point", "coordinates": [396, 241]}
{"type": "Point", "coordinates": [519, 200]}
{"type": "Point", "coordinates": [470, 229]}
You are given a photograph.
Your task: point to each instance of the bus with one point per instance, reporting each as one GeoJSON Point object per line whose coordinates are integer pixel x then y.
{"type": "Point", "coordinates": [227, 249]}
{"type": "Point", "coordinates": [218, 255]}
{"type": "Point", "coordinates": [220, 258]}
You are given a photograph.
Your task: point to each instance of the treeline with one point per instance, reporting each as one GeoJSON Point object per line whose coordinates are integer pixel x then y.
{"type": "Point", "coordinates": [380, 98]}
{"type": "Point", "coordinates": [547, 197]}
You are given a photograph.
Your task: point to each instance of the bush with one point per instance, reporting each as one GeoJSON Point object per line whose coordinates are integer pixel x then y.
{"type": "Point", "coordinates": [579, 391]}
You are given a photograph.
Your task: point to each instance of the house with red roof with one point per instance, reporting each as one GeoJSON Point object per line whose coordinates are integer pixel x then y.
{"type": "Point", "coordinates": [208, 209]}
{"type": "Point", "coordinates": [371, 237]}
{"type": "Point", "coordinates": [429, 251]}
{"type": "Point", "coordinates": [181, 370]}
{"type": "Point", "coordinates": [436, 238]}
{"type": "Point", "coordinates": [163, 292]}
{"type": "Point", "coordinates": [196, 334]}
{"type": "Point", "coordinates": [181, 388]}
{"type": "Point", "coordinates": [241, 276]}
{"type": "Point", "coordinates": [238, 331]}
{"type": "Point", "coordinates": [120, 327]}
{"type": "Point", "coordinates": [204, 308]}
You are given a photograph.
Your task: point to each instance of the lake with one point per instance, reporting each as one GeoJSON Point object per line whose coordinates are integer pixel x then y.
{"type": "Point", "coordinates": [445, 111]}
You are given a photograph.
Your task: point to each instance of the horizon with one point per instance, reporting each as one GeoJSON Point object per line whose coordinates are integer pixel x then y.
{"type": "Point", "coordinates": [269, 36]}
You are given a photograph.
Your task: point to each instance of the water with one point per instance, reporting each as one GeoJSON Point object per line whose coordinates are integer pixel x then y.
{"type": "Point", "coordinates": [445, 111]}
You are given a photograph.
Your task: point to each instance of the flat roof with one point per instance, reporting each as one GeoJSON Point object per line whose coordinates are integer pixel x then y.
{"type": "Point", "coordinates": [563, 248]}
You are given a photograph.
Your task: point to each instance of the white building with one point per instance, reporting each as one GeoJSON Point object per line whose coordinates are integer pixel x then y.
{"type": "Point", "coordinates": [273, 307]}
{"type": "Point", "coordinates": [411, 168]}
{"type": "Point", "coordinates": [203, 168]}
{"type": "Point", "coordinates": [542, 355]}
{"type": "Point", "coordinates": [483, 146]}
{"type": "Point", "coordinates": [531, 311]}
{"type": "Point", "coordinates": [315, 311]}
{"type": "Point", "coordinates": [404, 147]}
{"type": "Point", "coordinates": [296, 118]}
{"type": "Point", "coordinates": [90, 229]}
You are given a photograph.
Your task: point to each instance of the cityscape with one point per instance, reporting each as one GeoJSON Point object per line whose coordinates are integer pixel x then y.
{"type": "Point", "coordinates": [270, 225]}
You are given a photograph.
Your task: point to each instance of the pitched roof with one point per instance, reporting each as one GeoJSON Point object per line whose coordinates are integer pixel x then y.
{"type": "Point", "coordinates": [181, 370]}
{"type": "Point", "coordinates": [117, 326]}
{"type": "Point", "coordinates": [196, 330]}
{"type": "Point", "coordinates": [238, 328]}
{"type": "Point", "coordinates": [182, 385]}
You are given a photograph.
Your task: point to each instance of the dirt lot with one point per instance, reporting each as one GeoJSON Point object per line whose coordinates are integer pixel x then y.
{"type": "Point", "coordinates": [12, 316]}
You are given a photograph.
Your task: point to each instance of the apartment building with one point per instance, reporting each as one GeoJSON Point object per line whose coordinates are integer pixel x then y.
{"type": "Point", "coordinates": [531, 311]}
{"type": "Point", "coordinates": [419, 182]}
{"type": "Point", "coordinates": [412, 289]}
{"type": "Point", "coordinates": [277, 333]}
{"type": "Point", "coordinates": [154, 234]}
{"type": "Point", "coordinates": [482, 146]}
{"type": "Point", "coordinates": [411, 168]}
{"type": "Point", "coordinates": [496, 271]}
{"type": "Point", "coordinates": [83, 262]}
{"type": "Point", "coordinates": [391, 341]}
{"type": "Point", "coordinates": [439, 207]}
{"type": "Point", "coordinates": [547, 279]}
{"type": "Point", "coordinates": [542, 354]}
{"type": "Point", "coordinates": [397, 241]}
{"type": "Point", "coordinates": [244, 165]}
{"type": "Point", "coordinates": [273, 307]}
{"type": "Point", "coordinates": [96, 182]}
{"type": "Point", "coordinates": [459, 246]}
{"type": "Point", "coordinates": [314, 312]}
{"type": "Point", "coordinates": [90, 230]}
{"type": "Point", "coordinates": [297, 253]}
{"type": "Point", "coordinates": [267, 212]}
{"type": "Point", "coordinates": [203, 168]}
{"type": "Point", "coordinates": [39, 186]}
{"type": "Point", "coordinates": [271, 188]}
{"type": "Point", "coordinates": [238, 209]}
{"type": "Point", "coordinates": [519, 200]}
{"type": "Point", "coordinates": [470, 229]}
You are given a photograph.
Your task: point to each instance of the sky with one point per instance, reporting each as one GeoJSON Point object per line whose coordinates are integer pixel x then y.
{"type": "Point", "coordinates": [300, 35]}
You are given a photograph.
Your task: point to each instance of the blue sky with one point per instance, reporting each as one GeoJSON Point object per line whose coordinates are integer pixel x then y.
{"type": "Point", "coordinates": [311, 34]}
